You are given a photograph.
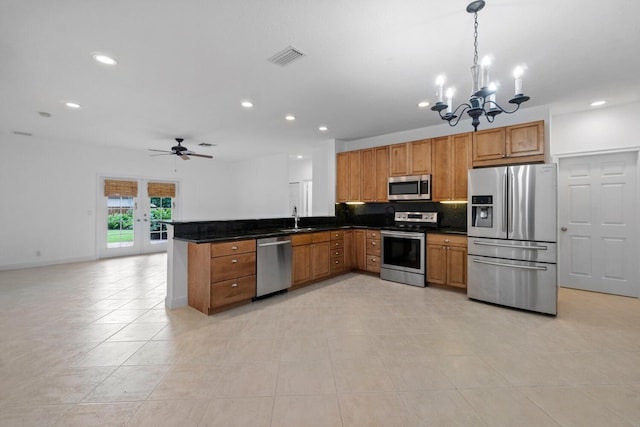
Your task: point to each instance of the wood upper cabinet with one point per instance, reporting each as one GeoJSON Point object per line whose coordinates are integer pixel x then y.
{"type": "Point", "coordinates": [525, 140]}
{"type": "Point", "coordinates": [420, 157]}
{"type": "Point", "coordinates": [374, 174]}
{"type": "Point", "coordinates": [399, 159]}
{"type": "Point", "coordinates": [342, 177]}
{"type": "Point", "coordinates": [410, 158]}
{"type": "Point", "coordinates": [451, 161]}
{"type": "Point", "coordinates": [355, 171]}
{"type": "Point", "coordinates": [522, 143]}
{"type": "Point", "coordinates": [447, 260]}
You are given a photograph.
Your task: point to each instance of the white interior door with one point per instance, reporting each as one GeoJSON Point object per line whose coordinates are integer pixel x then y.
{"type": "Point", "coordinates": [598, 219]}
{"type": "Point", "coordinates": [129, 222]}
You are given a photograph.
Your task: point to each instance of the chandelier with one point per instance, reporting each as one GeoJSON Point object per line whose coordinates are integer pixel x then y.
{"type": "Point", "coordinates": [483, 92]}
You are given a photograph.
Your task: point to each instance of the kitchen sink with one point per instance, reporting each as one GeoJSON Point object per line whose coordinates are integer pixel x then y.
{"type": "Point", "coordinates": [297, 230]}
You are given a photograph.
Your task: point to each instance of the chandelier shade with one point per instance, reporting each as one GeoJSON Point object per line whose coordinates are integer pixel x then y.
{"type": "Point", "coordinates": [482, 101]}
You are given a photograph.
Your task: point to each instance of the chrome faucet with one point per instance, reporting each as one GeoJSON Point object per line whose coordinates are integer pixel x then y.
{"type": "Point", "coordinates": [295, 216]}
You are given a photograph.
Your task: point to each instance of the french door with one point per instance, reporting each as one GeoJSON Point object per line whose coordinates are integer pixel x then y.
{"type": "Point", "coordinates": [129, 217]}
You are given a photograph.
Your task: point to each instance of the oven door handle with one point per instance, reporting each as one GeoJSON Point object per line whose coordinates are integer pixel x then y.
{"type": "Point", "coordinates": [502, 264]}
{"type": "Point", "coordinates": [413, 235]}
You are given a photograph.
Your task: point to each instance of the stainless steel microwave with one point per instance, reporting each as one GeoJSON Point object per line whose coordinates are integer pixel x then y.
{"type": "Point", "coordinates": [416, 187]}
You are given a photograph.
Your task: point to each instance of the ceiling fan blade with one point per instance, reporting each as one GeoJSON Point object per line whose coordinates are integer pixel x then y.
{"type": "Point", "coordinates": [163, 154]}
{"type": "Point", "coordinates": [162, 151]}
{"type": "Point", "coordinates": [206, 156]}
{"type": "Point", "coordinates": [184, 157]}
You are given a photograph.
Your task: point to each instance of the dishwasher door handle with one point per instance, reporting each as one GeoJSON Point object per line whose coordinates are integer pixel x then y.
{"type": "Point", "coordinates": [284, 242]}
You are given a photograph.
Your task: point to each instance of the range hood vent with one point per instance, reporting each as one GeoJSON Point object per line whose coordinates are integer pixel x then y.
{"type": "Point", "coordinates": [286, 56]}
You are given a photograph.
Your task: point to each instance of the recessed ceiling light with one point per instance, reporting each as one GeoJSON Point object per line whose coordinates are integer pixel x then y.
{"type": "Point", "coordinates": [423, 104]}
{"type": "Point", "coordinates": [598, 103]}
{"type": "Point", "coordinates": [299, 156]}
{"type": "Point", "coordinates": [72, 104]}
{"type": "Point", "coordinates": [323, 128]}
{"type": "Point", "coordinates": [247, 104]}
{"type": "Point", "coordinates": [290, 117]}
{"type": "Point", "coordinates": [104, 59]}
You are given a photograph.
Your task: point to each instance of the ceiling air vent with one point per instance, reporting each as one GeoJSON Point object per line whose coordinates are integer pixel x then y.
{"type": "Point", "coordinates": [286, 56]}
{"type": "Point", "coordinates": [206, 144]}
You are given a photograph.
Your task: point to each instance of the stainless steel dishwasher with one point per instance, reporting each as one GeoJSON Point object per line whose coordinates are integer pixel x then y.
{"type": "Point", "coordinates": [273, 265]}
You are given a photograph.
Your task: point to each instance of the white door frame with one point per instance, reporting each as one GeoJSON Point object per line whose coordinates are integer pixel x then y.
{"type": "Point", "coordinates": [635, 150]}
{"type": "Point", "coordinates": [142, 242]}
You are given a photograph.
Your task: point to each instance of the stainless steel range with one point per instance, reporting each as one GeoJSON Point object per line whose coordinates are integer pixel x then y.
{"type": "Point", "coordinates": [404, 247]}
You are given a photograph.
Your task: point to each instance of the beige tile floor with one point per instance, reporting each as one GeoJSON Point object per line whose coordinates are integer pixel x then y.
{"type": "Point", "coordinates": [91, 344]}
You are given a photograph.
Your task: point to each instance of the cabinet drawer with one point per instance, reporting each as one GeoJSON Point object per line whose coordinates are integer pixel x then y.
{"type": "Point", "coordinates": [228, 267]}
{"type": "Point", "coordinates": [373, 234]}
{"type": "Point", "coordinates": [337, 235]}
{"type": "Point", "coordinates": [323, 236]}
{"type": "Point", "coordinates": [301, 239]}
{"type": "Point", "coordinates": [229, 248]}
{"type": "Point", "coordinates": [336, 244]}
{"type": "Point", "coordinates": [337, 252]}
{"type": "Point", "coordinates": [447, 239]}
{"type": "Point", "coordinates": [373, 247]}
{"type": "Point", "coordinates": [373, 264]}
{"type": "Point", "coordinates": [230, 291]}
{"type": "Point", "coordinates": [337, 265]}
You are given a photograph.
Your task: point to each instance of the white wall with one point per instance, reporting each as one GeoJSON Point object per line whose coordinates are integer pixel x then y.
{"type": "Point", "coordinates": [49, 195]}
{"type": "Point", "coordinates": [261, 187]}
{"type": "Point", "coordinates": [522, 116]}
{"type": "Point", "coordinates": [600, 129]}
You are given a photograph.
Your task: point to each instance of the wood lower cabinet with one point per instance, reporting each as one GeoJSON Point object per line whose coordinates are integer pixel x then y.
{"type": "Point", "coordinates": [311, 257]}
{"type": "Point", "coordinates": [336, 252]}
{"type": "Point", "coordinates": [221, 275]}
{"type": "Point", "coordinates": [522, 143]}
{"type": "Point", "coordinates": [447, 260]}
{"type": "Point", "coordinates": [373, 251]}
{"type": "Point", "coordinates": [360, 250]}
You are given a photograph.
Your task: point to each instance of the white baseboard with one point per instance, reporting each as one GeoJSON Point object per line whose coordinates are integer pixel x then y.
{"type": "Point", "coordinates": [172, 303]}
{"type": "Point", "coordinates": [45, 263]}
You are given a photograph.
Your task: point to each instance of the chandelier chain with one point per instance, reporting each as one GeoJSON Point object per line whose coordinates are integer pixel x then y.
{"type": "Point", "coordinates": [475, 39]}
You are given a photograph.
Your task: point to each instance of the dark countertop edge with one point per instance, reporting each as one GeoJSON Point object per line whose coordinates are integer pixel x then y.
{"type": "Point", "coordinates": [275, 233]}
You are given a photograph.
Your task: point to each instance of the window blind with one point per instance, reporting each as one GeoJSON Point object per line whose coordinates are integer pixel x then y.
{"type": "Point", "coordinates": [114, 187]}
{"type": "Point", "coordinates": [161, 189]}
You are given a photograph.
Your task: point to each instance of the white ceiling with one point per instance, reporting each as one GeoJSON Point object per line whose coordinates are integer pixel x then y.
{"type": "Point", "coordinates": [185, 66]}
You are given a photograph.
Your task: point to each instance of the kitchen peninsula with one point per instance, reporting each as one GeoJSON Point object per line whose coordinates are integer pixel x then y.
{"type": "Point", "coordinates": [211, 264]}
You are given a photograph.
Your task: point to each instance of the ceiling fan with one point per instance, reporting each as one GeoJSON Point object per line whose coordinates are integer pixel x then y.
{"type": "Point", "coordinates": [181, 151]}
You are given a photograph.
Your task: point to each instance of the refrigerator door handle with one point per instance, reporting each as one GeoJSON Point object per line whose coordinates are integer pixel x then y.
{"type": "Point", "coordinates": [502, 245]}
{"type": "Point", "coordinates": [505, 192]}
{"type": "Point", "coordinates": [511, 186]}
{"type": "Point", "coordinates": [501, 264]}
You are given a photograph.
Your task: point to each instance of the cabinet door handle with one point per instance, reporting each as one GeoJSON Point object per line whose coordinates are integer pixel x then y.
{"type": "Point", "coordinates": [337, 253]}
{"type": "Point", "coordinates": [234, 248]}
{"type": "Point", "coordinates": [233, 261]}
{"type": "Point", "coordinates": [337, 262]}
{"type": "Point", "coordinates": [373, 243]}
{"type": "Point", "coordinates": [446, 240]}
{"type": "Point", "coordinates": [235, 285]}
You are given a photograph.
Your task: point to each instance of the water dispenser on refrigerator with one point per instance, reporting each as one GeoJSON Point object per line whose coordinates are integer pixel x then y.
{"type": "Point", "coordinates": [482, 211]}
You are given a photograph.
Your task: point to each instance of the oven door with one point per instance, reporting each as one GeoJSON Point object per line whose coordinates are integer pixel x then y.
{"type": "Point", "coordinates": [403, 251]}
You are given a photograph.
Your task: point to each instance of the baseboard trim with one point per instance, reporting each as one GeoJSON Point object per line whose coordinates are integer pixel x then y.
{"type": "Point", "coordinates": [172, 303]}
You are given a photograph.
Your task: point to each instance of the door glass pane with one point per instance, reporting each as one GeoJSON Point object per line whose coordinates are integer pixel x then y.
{"type": "Point", "coordinates": [119, 221]}
{"type": "Point", "coordinates": [161, 208]}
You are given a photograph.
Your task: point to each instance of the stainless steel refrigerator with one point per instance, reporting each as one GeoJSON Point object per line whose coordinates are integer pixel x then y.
{"type": "Point", "coordinates": [512, 229]}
